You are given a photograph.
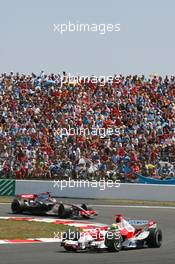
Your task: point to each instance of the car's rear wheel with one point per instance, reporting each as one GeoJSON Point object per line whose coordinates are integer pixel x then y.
{"type": "Point", "coordinates": [17, 206]}
{"type": "Point", "coordinates": [113, 241]}
{"type": "Point", "coordinates": [64, 211]}
{"type": "Point", "coordinates": [154, 239]}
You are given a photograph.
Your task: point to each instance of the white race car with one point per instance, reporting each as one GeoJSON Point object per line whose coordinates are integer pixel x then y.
{"type": "Point", "coordinates": [122, 234]}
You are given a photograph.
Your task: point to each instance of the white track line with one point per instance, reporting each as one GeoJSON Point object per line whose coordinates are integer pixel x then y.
{"type": "Point", "coordinates": [133, 206]}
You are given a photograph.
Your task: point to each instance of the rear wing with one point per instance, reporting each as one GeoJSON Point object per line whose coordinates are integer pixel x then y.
{"type": "Point", "coordinates": [27, 196]}
{"type": "Point", "coordinates": [138, 222]}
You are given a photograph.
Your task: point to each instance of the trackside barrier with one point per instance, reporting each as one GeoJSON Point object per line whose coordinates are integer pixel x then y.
{"type": "Point", "coordinates": [7, 187]}
{"type": "Point", "coordinates": [148, 192]}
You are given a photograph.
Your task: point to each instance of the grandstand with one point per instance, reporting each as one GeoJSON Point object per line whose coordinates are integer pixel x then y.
{"type": "Point", "coordinates": [35, 110]}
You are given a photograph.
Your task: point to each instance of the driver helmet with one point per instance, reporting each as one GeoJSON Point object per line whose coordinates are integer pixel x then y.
{"type": "Point", "coordinates": [118, 218]}
{"type": "Point", "coordinates": [114, 227]}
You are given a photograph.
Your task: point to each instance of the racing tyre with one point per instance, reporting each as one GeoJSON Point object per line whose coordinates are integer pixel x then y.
{"type": "Point", "coordinates": [17, 206]}
{"type": "Point", "coordinates": [113, 241]}
{"type": "Point", "coordinates": [85, 207]}
{"type": "Point", "coordinates": [64, 211]}
{"type": "Point", "coordinates": [154, 239]}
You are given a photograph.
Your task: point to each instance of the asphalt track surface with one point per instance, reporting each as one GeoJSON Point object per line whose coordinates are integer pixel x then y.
{"type": "Point", "coordinates": [52, 253]}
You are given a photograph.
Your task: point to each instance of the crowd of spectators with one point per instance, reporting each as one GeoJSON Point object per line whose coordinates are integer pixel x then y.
{"type": "Point", "coordinates": [35, 109]}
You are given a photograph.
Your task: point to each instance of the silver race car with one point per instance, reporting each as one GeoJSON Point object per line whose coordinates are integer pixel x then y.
{"type": "Point", "coordinates": [44, 203]}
